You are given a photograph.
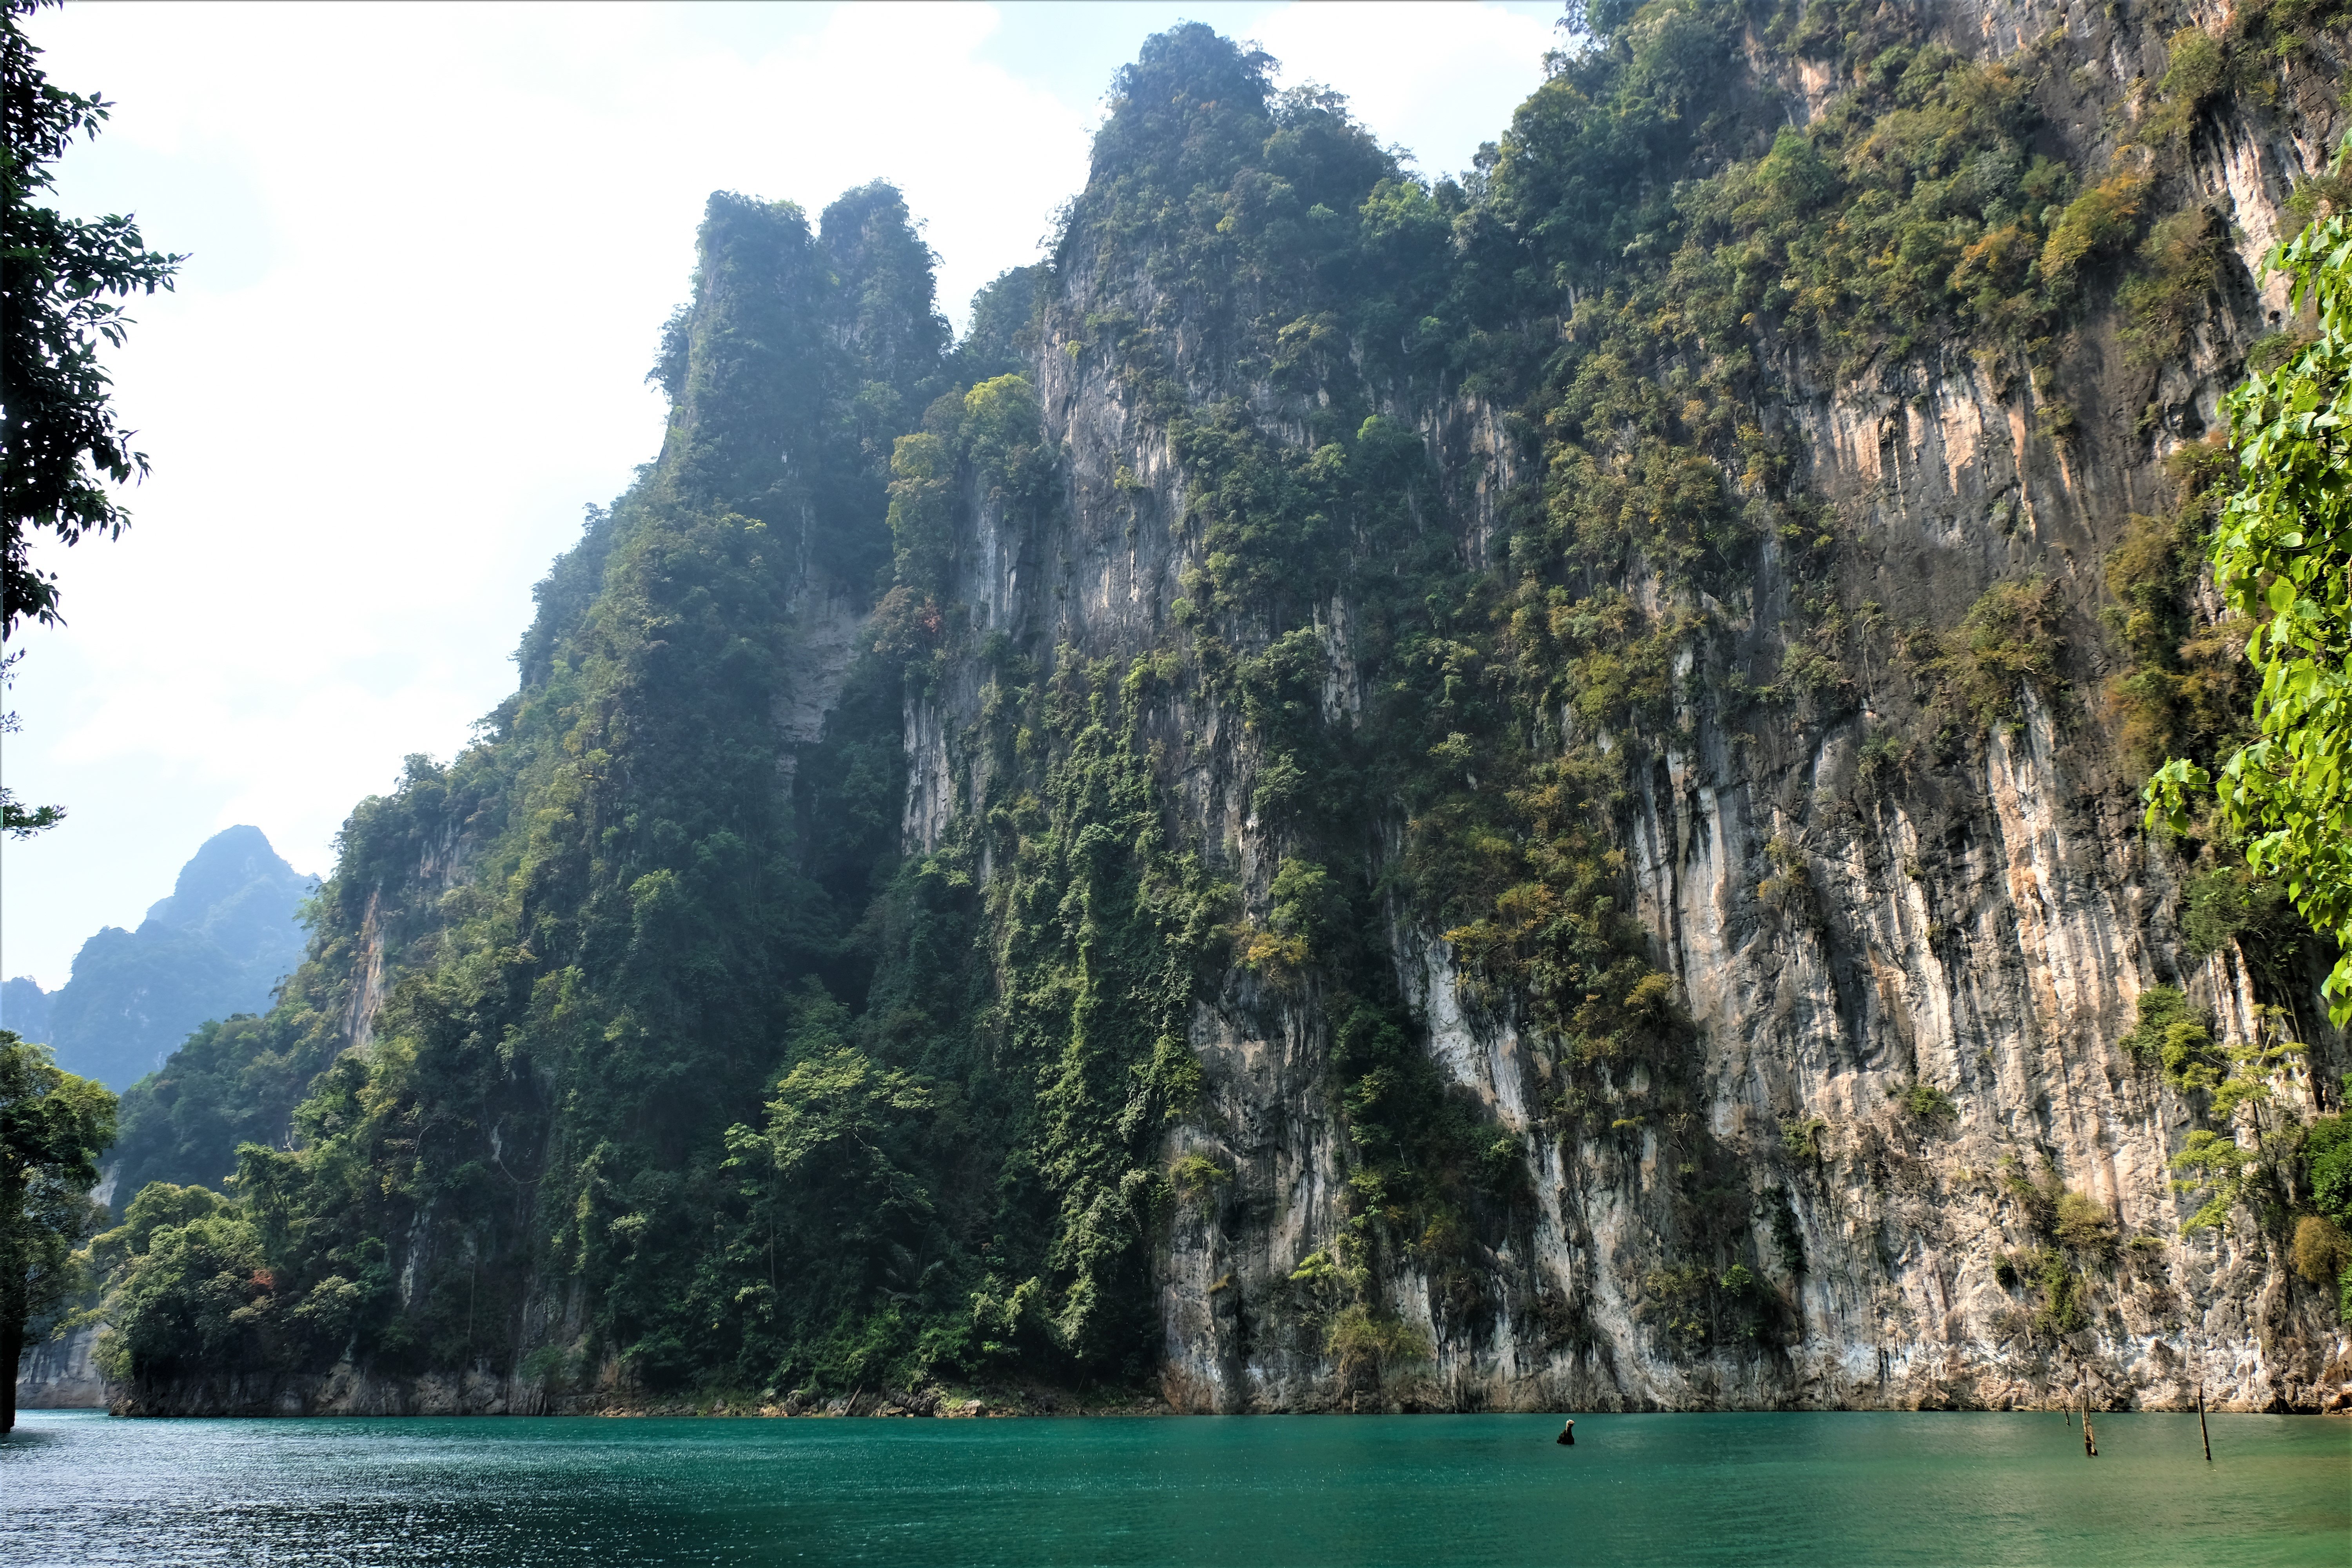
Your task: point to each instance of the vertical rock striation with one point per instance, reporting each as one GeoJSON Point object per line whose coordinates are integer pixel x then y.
{"type": "Point", "coordinates": [1983, 928]}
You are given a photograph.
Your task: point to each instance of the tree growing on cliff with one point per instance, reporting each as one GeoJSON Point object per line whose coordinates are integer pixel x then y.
{"type": "Point", "coordinates": [2282, 557]}
{"type": "Point", "coordinates": [61, 279]}
{"type": "Point", "coordinates": [53, 1127]}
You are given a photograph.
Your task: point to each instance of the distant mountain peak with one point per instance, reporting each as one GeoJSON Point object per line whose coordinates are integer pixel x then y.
{"type": "Point", "coordinates": [218, 945]}
{"type": "Point", "coordinates": [223, 867]}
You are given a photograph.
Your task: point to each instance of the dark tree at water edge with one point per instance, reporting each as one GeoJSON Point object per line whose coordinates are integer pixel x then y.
{"type": "Point", "coordinates": [61, 281]}
{"type": "Point", "coordinates": [53, 1127]}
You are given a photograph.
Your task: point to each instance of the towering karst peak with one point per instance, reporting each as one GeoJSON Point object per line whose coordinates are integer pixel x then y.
{"type": "Point", "coordinates": [1481, 793]}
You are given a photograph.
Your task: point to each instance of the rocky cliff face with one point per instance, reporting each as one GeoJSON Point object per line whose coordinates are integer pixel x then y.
{"type": "Point", "coordinates": [58, 1374]}
{"type": "Point", "coordinates": [1507, 793]}
{"type": "Point", "coordinates": [1982, 928]}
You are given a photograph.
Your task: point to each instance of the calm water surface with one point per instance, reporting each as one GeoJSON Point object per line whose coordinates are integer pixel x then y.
{"type": "Point", "coordinates": [1815, 1490]}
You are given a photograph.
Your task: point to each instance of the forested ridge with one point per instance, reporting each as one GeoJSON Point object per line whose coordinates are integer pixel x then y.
{"type": "Point", "coordinates": [808, 982]}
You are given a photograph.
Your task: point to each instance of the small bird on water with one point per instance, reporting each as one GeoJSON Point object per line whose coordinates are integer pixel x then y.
{"type": "Point", "coordinates": [1567, 1434]}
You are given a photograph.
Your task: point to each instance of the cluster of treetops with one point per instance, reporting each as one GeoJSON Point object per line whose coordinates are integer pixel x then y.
{"type": "Point", "coordinates": [706, 1078]}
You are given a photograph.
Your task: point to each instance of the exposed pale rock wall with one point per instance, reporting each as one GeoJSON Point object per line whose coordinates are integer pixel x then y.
{"type": "Point", "coordinates": [58, 1374]}
{"type": "Point", "coordinates": [1987, 934]}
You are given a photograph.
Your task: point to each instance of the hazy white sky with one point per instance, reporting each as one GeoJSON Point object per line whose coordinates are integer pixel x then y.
{"type": "Point", "coordinates": [432, 247]}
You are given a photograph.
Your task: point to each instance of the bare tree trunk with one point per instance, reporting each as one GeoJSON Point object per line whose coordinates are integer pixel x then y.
{"type": "Point", "coordinates": [12, 1354]}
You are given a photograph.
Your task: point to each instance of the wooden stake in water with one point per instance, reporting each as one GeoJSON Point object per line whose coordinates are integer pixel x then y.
{"type": "Point", "coordinates": [2089, 1445]}
{"type": "Point", "coordinates": [2201, 1433]}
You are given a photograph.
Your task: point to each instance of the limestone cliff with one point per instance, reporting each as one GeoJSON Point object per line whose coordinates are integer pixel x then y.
{"type": "Point", "coordinates": [1983, 927]}
{"type": "Point", "coordinates": [1515, 791]}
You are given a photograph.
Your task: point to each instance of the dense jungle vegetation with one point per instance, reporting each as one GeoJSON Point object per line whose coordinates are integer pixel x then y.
{"type": "Point", "coordinates": [687, 1067]}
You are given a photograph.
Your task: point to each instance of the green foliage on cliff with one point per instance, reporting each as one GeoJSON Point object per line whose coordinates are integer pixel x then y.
{"type": "Point", "coordinates": [239, 1079]}
{"type": "Point", "coordinates": [574, 1021]}
{"type": "Point", "coordinates": [1101, 928]}
{"type": "Point", "coordinates": [2007, 643]}
{"type": "Point", "coordinates": [693, 1068]}
{"type": "Point", "coordinates": [2074, 1243]}
{"type": "Point", "coordinates": [2172, 1032]}
{"type": "Point", "coordinates": [655, 939]}
{"type": "Point", "coordinates": [2323, 1241]}
{"type": "Point", "coordinates": [1633, 325]}
{"type": "Point", "coordinates": [2188, 690]}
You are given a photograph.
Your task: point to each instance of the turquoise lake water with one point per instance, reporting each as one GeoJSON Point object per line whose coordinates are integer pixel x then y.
{"type": "Point", "coordinates": [1814, 1489]}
